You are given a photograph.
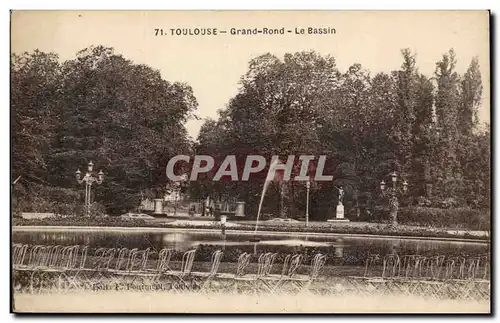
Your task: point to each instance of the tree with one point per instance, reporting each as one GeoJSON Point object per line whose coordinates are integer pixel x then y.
{"type": "Point", "coordinates": [367, 126]}
{"type": "Point", "coordinates": [422, 136]}
{"type": "Point", "coordinates": [471, 90]}
{"type": "Point", "coordinates": [100, 107]}
{"type": "Point", "coordinates": [447, 102]}
{"type": "Point", "coordinates": [290, 98]}
{"type": "Point", "coordinates": [406, 79]}
{"type": "Point", "coordinates": [35, 97]}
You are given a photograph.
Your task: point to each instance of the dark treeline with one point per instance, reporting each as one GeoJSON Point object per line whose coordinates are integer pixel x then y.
{"type": "Point", "coordinates": [130, 122]}
{"type": "Point", "coordinates": [98, 107]}
{"type": "Point", "coordinates": [423, 127]}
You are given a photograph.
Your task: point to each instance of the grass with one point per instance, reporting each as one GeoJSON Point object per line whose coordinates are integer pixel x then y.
{"type": "Point", "coordinates": [318, 227]}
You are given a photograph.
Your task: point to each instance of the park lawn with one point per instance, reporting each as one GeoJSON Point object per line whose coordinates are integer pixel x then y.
{"type": "Point", "coordinates": [263, 226]}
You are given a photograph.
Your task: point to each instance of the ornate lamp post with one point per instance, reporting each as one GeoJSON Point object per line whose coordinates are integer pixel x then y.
{"type": "Point", "coordinates": [392, 194]}
{"type": "Point", "coordinates": [308, 187]}
{"type": "Point", "coordinates": [89, 178]}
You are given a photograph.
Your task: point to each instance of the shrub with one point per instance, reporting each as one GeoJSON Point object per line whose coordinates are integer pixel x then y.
{"type": "Point", "coordinates": [97, 210]}
{"type": "Point", "coordinates": [423, 201]}
{"type": "Point", "coordinates": [380, 214]}
{"type": "Point", "coordinates": [282, 227]}
{"type": "Point", "coordinates": [449, 202]}
{"type": "Point", "coordinates": [463, 218]}
{"type": "Point", "coordinates": [46, 199]}
{"type": "Point", "coordinates": [82, 221]}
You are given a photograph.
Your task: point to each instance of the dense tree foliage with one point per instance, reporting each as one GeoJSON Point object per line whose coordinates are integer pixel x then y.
{"type": "Point", "coordinates": [97, 107]}
{"type": "Point", "coordinates": [425, 128]}
{"type": "Point", "coordinates": [129, 121]}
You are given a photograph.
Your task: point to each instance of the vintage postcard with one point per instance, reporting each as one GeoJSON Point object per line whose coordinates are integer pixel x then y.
{"type": "Point", "coordinates": [250, 162]}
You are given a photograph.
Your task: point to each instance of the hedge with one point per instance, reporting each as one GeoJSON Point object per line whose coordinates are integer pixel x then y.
{"type": "Point", "coordinates": [460, 218]}
{"type": "Point", "coordinates": [282, 227]}
{"type": "Point", "coordinates": [109, 221]}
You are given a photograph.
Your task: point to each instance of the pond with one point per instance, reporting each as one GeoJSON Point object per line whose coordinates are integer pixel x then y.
{"type": "Point", "coordinates": [345, 247]}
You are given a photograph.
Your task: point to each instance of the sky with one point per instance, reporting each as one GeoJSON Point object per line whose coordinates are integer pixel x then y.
{"type": "Point", "coordinates": [213, 65]}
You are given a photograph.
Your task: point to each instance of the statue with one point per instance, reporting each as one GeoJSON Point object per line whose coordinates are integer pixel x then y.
{"type": "Point", "coordinates": [339, 210]}
{"type": "Point", "coordinates": [341, 194]}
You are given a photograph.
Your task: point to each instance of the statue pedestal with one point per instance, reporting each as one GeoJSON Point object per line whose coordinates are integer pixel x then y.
{"type": "Point", "coordinates": [240, 209]}
{"type": "Point", "coordinates": [158, 206]}
{"type": "Point", "coordinates": [339, 214]}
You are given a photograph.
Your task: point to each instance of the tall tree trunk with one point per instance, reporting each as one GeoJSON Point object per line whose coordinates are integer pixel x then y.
{"type": "Point", "coordinates": [283, 200]}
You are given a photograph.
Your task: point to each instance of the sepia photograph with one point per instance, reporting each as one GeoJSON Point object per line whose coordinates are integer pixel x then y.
{"type": "Point", "coordinates": [249, 162]}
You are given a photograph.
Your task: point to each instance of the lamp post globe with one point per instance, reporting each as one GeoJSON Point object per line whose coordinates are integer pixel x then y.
{"type": "Point", "coordinates": [394, 177]}
{"type": "Point", "coordinates": [382, 186]}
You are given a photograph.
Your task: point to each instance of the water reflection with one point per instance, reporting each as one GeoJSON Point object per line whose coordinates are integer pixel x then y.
{"type": "Point", "coordinates": [176, 240]}
{"type": "Point", "coordinates": [341, 246]}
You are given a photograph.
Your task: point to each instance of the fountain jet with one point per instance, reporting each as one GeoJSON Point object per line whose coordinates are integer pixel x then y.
{"type": "Point", "coordinates": [264, 189]}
